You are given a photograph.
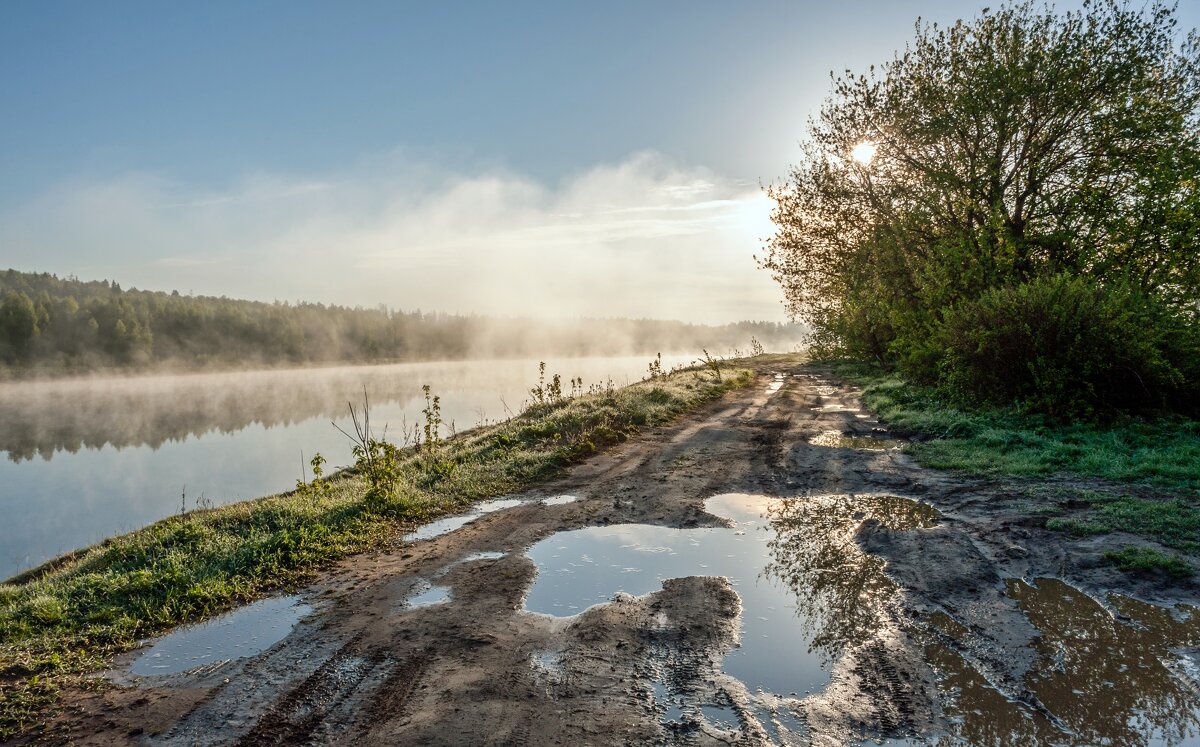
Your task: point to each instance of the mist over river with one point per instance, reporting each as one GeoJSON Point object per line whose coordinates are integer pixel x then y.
{"type": "Point", "coordinates": [91, 458]}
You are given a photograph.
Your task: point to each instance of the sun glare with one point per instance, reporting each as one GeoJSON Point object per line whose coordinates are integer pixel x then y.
{"type": "Point", "coordinates": [864, 152]}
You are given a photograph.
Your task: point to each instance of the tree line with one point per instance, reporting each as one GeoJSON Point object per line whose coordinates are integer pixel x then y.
{"type": "Point", "coordinates": [52, 325]}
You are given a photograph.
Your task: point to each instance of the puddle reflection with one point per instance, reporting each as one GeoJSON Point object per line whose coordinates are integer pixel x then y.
{"type": "Point", "coordinates": [1109, 682]}
{"type": "Point", "coordinates": [839, 440]}
{"type": "Point", "coordinates": [1100, 680]}
{"type": "Point", "coordinates": [808, 591]}
{"type": "Point", "coordinates": [793, 563]}
{"type": "Point", "coordinates": [839, 589]}
{"type": "Point", "coordinates": [243, 632]}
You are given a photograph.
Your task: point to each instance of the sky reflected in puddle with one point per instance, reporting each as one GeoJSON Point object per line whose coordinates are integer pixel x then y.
{"type": "Point", "coordinates": [427, 595]}
{"type": "Point", "coordinates": [450, 523]}
{"type": "Point", "coordinates": [795, 575]}
{"type": "Point", "coordinates": [247, 631]}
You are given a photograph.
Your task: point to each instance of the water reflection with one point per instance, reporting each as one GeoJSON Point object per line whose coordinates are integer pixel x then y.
{"type": "Point", "coordinates": [243, 632]}
{"type": "Point", "coordinates": [1107, 681]}
{"type": "Point", "coordinates": [839, 440]}
{"type": "Point", "coordinates": [1099, 680]}
{"type": "Point", "coordinates": [793, 562]}
{"type": "Point", "coordinates": [839, 589]}
{"type": "Point", "coordinates": [41, 418]}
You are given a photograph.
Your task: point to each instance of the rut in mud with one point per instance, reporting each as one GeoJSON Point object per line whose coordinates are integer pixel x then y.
{"type": "Point", "coordinates": [772, 570]}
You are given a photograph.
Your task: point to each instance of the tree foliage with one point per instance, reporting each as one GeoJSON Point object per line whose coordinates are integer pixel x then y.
{"type": "Point", "coordinates": [1018, 145]}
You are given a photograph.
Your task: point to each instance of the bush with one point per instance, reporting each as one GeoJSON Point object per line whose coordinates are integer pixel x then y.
{"type": "Point", "coordinates": [1071, 348]}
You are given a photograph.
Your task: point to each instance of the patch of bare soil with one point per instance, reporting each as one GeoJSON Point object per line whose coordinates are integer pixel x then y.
{"type": "Point", "coordinates": [970, 625]}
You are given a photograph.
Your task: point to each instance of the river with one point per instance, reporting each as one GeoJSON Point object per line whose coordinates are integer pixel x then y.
{"type": "Point", "coordinates": [86, 459]}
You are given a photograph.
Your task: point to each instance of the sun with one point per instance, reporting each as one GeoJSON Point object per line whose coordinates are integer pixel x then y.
{"type": "Point", "coordinates": [864, 152]}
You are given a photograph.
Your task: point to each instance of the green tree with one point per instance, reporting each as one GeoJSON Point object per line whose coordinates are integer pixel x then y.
{"type": "Point", "coordinates": [1020, 144]}
{"type": "Point", "coordinates": [18, 323]}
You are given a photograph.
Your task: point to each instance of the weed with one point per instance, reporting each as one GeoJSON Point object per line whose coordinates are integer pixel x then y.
{"type": "Point", "coordinates": [756, 348]}
{"type": "Point", "coordinates": [318, 485]}
{"type": "Point", "coordinates": [375, 459]}
{"type": "Point", "coordinates": [539, 393]}
{"type": "Point", "coordinates": [1136, 559]}
{"type": "Point", "coordinates": [433, 421]}
{"type": "Point", "coordinates": [655, 367]}
{"type": "Point", "coordinates": [712, 364]}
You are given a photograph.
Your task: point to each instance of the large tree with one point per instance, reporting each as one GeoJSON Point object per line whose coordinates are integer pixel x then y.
{"type": "Point", "coordinates": [1019, 144]}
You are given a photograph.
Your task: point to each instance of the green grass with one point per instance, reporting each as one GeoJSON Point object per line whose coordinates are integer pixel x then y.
{"type": "Point", "coordinates": [1173, 522]}
{"type": "Point", "coordinates": [1163, 452]}
{"type": "Point", "coordinates": [69, 618]}
{"type": "Point", "coordinates": [1132, 559]}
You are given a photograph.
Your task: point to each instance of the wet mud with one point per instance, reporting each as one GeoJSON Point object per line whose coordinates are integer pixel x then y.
{"type": "Point", "coordinates": [773, 570]}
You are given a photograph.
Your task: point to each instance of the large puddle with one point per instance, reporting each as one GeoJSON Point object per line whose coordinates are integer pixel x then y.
{"type": "Point", "coordinates": [247, 631]}
{"type": "Point", "coordinates": [805, 588]}
{"type": "Point", "coordinates": [1123, 674]}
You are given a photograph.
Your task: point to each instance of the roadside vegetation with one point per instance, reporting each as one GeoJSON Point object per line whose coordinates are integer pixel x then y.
{"type": "Point", "coordinates": [1142, 474]}
{"type": "Point", "coordinates": [71, 616]}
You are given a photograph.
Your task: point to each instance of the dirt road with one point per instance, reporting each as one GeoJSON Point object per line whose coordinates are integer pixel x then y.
{"type": "Point", "coordinates": [928, 623]}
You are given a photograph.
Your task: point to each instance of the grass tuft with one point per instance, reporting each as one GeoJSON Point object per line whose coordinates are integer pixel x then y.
{"type": "Point", "coordinates": [1134, 559]}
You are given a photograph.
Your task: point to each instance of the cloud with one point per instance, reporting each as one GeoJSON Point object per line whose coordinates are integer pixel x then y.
{"type": "Point", "coordinates": [639, 237]}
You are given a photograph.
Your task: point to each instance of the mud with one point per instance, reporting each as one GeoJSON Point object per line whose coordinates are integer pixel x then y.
{"type": "Point", "coordinates": [931, 608]}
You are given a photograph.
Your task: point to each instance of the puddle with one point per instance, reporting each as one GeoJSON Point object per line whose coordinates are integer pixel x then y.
{"type": "Point", "coordinates": [247, 631]}
{"type": "Point", "coordinates": [559, 500]}
{"type": "Point", "coordinates": [429, 596]}
{"type": "Point", "coordinates": [721, 717]}
{"type": "Point", "coordinates": [1107, 681]}
{"type": "Point", "coordinates": [678, 709]}
{"type": "Point", "coordinates": [548, 662]}
{"type": "Point", "coordinates": [450, 523]}
{"type": "Point", "coordinates": [838, 407]}
{"type": "Point", "coordinates": [839, 440]}
{"type": "Point", "coordinates": [1103, 680]}
{"type": "Point", "coordinates": [777, 384]}
{"type": "Point", "coordinates": [669, 705]}
{"type": "Point", "coordinates": [793, 562]}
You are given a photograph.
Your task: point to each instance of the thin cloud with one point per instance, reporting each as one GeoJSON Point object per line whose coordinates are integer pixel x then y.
{"type": "Point", "coordinates": [640, 237]}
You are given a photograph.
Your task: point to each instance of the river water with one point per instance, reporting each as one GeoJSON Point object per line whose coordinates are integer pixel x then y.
{"type": "Point", "coordinates": [81, 460]}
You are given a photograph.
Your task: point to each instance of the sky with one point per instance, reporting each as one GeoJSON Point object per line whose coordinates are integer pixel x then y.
{"type": "Point", "coordinates": [547, 159]}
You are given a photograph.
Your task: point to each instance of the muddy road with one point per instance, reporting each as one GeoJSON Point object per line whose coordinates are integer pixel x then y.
{"type": "Point", "coordinates": [768, 571]}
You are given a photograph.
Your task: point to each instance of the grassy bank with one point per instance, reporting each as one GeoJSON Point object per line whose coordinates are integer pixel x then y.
{"type": "Point", "coordinates": [64, 620]}
{"type": "Point", "coordinates": [1143, 474]}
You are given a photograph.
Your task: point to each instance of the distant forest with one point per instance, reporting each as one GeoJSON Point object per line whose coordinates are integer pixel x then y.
{"type": "Point", "coordinates": [55, 326]}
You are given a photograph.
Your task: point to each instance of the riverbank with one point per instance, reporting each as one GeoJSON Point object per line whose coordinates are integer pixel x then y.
{"type": "Point", "coordinates": [70, 618]}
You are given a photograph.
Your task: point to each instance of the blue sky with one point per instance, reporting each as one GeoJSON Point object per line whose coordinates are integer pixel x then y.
{"type": "Point", "coordinates": [441, 155]}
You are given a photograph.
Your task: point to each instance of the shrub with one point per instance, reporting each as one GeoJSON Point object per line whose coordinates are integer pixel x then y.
{"type": "Point", "coordinates": [1069, 347]}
